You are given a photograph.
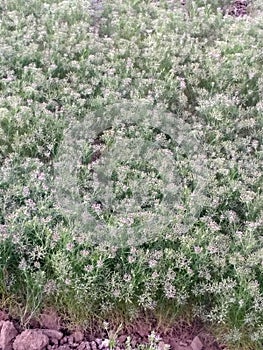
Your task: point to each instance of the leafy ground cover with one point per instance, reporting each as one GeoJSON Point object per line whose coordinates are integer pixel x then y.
{"type": "Point", "coordinates": [131, 161]}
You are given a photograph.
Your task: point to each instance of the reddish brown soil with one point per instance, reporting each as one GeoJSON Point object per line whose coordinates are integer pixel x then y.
{"type": "Point", "coordinates": [49, 332]}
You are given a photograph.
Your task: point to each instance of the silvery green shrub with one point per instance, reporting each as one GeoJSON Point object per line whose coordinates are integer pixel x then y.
{"type": "Point", "coordinates": [197, 72]}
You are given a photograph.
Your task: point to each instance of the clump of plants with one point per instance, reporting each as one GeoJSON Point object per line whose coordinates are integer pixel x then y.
{"type": "Point", "coordinates": [131, 161]}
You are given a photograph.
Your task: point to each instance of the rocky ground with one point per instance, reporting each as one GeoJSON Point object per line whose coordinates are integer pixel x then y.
{"type": "Point", "coordinates": [48, 332]}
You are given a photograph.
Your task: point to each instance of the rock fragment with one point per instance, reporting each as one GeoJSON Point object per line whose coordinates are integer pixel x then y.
{"type": "Point", "coordinates": [78, 336]}
{"type": "Point", "coordinates": [196, 344]}
{"type": "Point", "coordinates": [7, 335]}
{"type": "Point", "coordinates": [64, 347]}
{"type": "Point", "coordinates": [82, 346]}
{"type": "Point", "coordinates": [31, 339]}
{"type": "Point", "coordinates": [52, 333]}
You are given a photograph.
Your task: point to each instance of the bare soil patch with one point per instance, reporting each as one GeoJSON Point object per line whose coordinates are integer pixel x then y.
{"type": "Point", "coordinates": [49, 332]}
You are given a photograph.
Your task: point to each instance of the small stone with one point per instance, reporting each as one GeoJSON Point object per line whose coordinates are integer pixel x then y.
{"type": "Point", "coordinates": [182, 343]}
{"type": "Point", "coordinates": [122, 339]}
{"type": "Point", "coordinates": [64, 347]}
{"type": "Point", "coordinates": [98, 341]}
{"type": "Point", "coordinates": [93, 345]}
{"type": "Point", "coordinates": [52, 333]}
{"type": "Point", "coordinates": [70, 340]}
{"type": "Point", "coordinates": [176, 346]}
{"type": "Point", "coordinates": [163, 346]}
{"type": "Point", "coordinates": [134, 343]}
{"type": "Point", "coordinates": [64, 340]}
{"type": "Point", "coordinates": [196, 344]}
{"type": "Point", "coordinates": [88, 346]}
{"type": "Point", "coordinates": [82, 346]}
{"type": "Point", "coordinates": [78, 336]}
{"type": "Point", "coordinates": [54, 341]}
{"type": "Point", "coordinates": [104, 344]}
{"type": "Point", "coordinates": [31, 340]}
{"type": "Point", "coordinates": [8, 333]}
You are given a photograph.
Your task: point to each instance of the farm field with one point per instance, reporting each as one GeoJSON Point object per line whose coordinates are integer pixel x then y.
{"type": "Point", "coordinates": [131, 164]}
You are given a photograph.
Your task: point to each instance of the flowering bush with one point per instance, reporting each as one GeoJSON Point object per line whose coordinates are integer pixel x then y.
{"type": "Point", "coordinates": [131, 159]}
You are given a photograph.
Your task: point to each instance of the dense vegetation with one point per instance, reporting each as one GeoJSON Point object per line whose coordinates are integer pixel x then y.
{"type": "Point", "coordinates": [131, 161]}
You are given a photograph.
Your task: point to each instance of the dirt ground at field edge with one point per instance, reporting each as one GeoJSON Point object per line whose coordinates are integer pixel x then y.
{"type": "Point", "coordinates": [49, 332]}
